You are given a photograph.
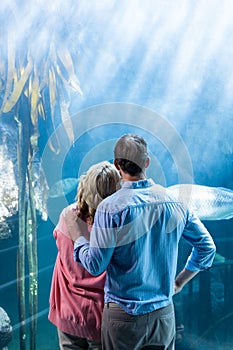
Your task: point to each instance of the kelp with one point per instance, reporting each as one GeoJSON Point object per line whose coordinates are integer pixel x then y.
{"type": "Point", "coordinates": [18, 88]}
{"type": "Point", "coordinates": [31, 234]}
{"type": "Point", "coordinates": [66, 59]}
{"type": "Point", "coordinates": [9, 72]}
{"type": "Point", "coordinates": [25, 74]}
{"type": "Point", "coordinates": [22, 167]}
{"type": "Point", "coordinates": [35, 84]}
{"type": "Point", "coordinates": [26, 80]}
{"type": "Point", "coordinates": [64, 105]}
{"type": "Point", "coordinates": [34, 94]}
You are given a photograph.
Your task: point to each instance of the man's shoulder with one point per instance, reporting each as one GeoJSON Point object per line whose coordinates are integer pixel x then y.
{"type": "Point", "coordinates": [114, 203]}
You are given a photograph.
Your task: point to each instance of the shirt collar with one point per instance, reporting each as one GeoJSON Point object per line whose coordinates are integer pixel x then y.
{"type": "Point", "coordinates": [138, 184]}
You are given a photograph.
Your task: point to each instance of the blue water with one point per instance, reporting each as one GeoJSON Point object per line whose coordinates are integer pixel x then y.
{"type": "Point", "coordinates": [159, 68]}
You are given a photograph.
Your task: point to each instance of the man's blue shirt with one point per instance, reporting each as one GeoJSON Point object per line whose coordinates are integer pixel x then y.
{"type": "Point", "coordinates": [135, 239]}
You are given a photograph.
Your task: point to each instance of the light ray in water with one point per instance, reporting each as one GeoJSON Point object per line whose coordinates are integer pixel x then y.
{"type": "Point", "coordinates": [7, 284]}
{"type": "Point", "coordinates": [39, 239]}
{"type": "Point", "coordinates": [29, 319]}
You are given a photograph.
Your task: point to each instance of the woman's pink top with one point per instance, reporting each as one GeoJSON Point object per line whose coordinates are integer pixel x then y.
{"type": "Point", "coordinates": [76, 297]}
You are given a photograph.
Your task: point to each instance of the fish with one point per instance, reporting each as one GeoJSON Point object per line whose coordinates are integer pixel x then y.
{"type": "Point", "coordinates": [218, 258]}
{"type": "Point", "coordinates": [63, 187]}
{"type": "Point", "coordinates": [209, 203]}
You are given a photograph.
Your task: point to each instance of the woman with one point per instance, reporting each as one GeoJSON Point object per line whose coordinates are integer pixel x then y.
{"type": "Point", "coordinates": [76, 297]}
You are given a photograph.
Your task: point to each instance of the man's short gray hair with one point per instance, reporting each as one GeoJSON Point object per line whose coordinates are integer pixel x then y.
{"type": "Point", "coordinates": [131, 153]}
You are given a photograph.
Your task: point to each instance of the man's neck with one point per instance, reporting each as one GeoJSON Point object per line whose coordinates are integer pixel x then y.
{"type": "Point", "coordinates": [128, 177]}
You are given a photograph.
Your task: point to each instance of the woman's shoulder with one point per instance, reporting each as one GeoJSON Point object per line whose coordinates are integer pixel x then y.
{"type": "Point", "coordinates": [67, 214]}
{"type": "Point", "coordinates": [70, 208]}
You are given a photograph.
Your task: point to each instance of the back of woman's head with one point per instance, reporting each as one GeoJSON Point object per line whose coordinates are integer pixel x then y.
{"type": "Point", "coordinates": [100, 181]}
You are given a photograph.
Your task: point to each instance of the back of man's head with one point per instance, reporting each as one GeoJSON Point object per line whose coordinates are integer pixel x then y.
{"type": "Point", "coordinates": [130, 153]}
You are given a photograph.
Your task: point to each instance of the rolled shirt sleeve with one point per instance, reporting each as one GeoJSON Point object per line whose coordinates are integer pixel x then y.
{"type": "Point", "coordinates": [95, 255]}
{"type": "Point", "coordinates": [204, 249]}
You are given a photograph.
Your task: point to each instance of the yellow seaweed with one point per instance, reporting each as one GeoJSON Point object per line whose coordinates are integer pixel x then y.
{"type": "Point", "coordinates": [41, 109]}
{"type": "Point", "coordinates": [56, 150]}
{"type": "Point", "coordinates": [52, 89]}
{"type": "Point", "coordinates": [52, 97]}
{"type": "Point", "coordinates": [10, 70]}
{"type": "Point", "coordinates": [13, 99]}
{"type": "Point", "coordinates": [65, 116]}
{"type": "Point", "coordinates": [66, 59]}
{"type": "Point", "coordinates": [35, 95]}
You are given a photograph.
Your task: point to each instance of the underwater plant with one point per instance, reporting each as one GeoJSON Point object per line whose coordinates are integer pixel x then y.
{"type": "Point", "coordinates": [37, 75]}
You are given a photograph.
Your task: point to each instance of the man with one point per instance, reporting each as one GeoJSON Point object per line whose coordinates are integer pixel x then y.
{"type": "Point", "coordinates": [135, 238]}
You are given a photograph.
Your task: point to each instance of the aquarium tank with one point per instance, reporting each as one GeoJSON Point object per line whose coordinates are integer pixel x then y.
{"type": "Point", "coordinates": [75, 76]}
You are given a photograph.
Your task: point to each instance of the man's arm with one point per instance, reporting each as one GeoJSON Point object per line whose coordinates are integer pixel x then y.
{"type": "Point", "coordinates": [96, 254]}
{"type": "Point", "coordinates": [183, 278]}
{"type": "Point", "coordinates": [95, 260]}
{"type": "Point", "coordinates": [202, 254]}
{"type": "Point", "coordinates": [203, 246]}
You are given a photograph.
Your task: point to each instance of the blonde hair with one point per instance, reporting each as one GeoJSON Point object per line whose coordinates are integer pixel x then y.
{"type": "Point", "coordinates": [100, 181]}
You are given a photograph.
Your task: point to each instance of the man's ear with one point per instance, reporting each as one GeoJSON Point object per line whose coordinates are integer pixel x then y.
{"type": "Point", "coordinates": [147, 162]}
{"type": "Point", "coordinates": [116, 165]}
